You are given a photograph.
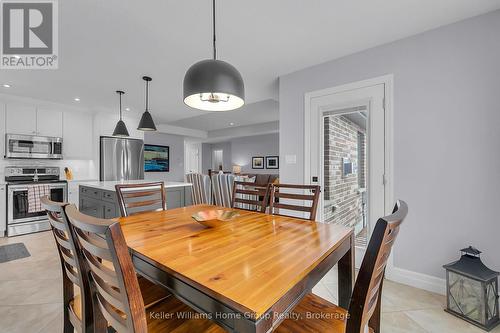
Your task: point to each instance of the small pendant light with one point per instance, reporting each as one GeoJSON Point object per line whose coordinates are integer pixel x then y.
{"type": "Point", "coordinates": [213, 85]}
{"type": "Point", "coordinates": [120, 129]}
{"type": "Point", "coordinates": [147, 123]}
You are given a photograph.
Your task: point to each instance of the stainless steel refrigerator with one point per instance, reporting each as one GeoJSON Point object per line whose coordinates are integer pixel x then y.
{"type": "Point", "coordinates": [121, 159]}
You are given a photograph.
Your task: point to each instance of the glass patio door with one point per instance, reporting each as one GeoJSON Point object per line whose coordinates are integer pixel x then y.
{"type": "Point", "coordinates": [345, 169]}
{"type": "Point", "coordinates": [347, 158]}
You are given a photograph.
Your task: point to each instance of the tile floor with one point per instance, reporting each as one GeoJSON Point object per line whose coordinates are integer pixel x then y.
{"type": "Point", "coordinates": [30, 296]}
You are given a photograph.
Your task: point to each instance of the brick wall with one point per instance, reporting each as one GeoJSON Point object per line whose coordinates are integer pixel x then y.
{"type": "Point", "coordinates": [343, 202]}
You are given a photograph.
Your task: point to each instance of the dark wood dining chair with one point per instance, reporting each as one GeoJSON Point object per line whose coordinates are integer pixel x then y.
{"type": "Point", "coordinates": [77, 306]}
{"type": "Point", "coordinates": [282, 191]}
{"type": "Point", "coordinates": [318, 315]}
{"type": "Point", "coordinates": [77, 303]}
{"type": "Point", "coordinates": [249, 196]}
{"type": "Point", "coordinates": [116, 291]}
{"type": "Point", "coordinates": [138, 198]}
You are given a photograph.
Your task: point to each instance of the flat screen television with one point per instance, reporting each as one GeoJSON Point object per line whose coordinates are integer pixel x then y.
{"type": "Point", "coordinates": [156, 158]}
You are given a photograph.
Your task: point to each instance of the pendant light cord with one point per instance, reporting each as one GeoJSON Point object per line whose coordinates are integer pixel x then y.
{"type": "Point", "coordinates": [147, 95]}
{"type": "Point", "coordinates": [213, 25]}
{"type": "Point", "coordinates": [120, 93]}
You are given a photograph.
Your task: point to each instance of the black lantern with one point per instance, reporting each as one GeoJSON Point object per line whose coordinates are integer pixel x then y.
{"type": "Point", "coordinates": [472, 290]}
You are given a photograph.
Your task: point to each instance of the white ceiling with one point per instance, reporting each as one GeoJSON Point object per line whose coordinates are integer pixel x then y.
{"type": "Point", "coordinates": [109, 45]}
{"type": "Point", "coordinates": [254, 113]}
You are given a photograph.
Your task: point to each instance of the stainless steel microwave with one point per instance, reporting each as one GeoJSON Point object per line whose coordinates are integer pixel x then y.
{"type": "Point", "coordinates": [31, 146]}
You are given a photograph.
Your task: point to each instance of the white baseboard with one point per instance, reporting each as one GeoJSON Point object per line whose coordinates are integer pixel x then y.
{"type": "Point", "coordinates": [417, 280]}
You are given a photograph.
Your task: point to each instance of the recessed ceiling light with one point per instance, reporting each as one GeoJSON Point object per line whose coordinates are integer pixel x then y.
{"type": "Point", "coordinates": [77, 99]}
{"type": "Point", "coordinates": [5, 85]}
{"type": "Point", "coordinates": [231, 124]}
{"type": "Point", "coordinates": [127, 109]}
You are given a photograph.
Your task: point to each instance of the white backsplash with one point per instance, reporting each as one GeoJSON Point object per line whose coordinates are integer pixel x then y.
{"type": "Point", "coordinates": [82, 169]}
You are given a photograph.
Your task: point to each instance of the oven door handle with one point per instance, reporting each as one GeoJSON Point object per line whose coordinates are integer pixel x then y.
{"type": "Point", "coordinates": [25, 188]}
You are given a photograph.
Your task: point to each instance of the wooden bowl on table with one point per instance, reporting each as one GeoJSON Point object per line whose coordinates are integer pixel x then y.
{"type": "Point", "coordinates": [214, 218]}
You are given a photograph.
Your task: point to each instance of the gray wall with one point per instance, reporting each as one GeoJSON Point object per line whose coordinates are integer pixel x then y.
{"type": "Point", "coordinates": [447, 135]}
{"type": "Point", "coordinates": [206, 155]}
{"type": "Point", "coordinates": [243, 149]}
{"type": "Point", "coordinates": [226, 151]}
{"type": "Point", "coordinates": [176, 144]}
{"type": "Point", "coordinates": [240, 151]}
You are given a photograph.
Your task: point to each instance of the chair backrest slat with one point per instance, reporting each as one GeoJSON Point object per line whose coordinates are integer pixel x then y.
{"type": "Point", "coordinates": [138, 198]}
{"type": "Point", "coordinates": [246, 201]}
{"type": "Point", "coordinates": [68, 257]}
{"type": "Point", "coordinates": [116, 288]}
{"type": "Point", "coordinates": [112, 317]}
{"type": "Point", "coordinates": [292, 207]}
{"type": "Point", "coordinates": [294, 196]}
{"type": "Point", "coordinates": [61, 241]}
{"type": "Point", "coordinates": [367, 289]}
{"type": "Point", "coordinates": [108, 293]}
{"type": "Point", "coordinates": [72, 275]}
{"type": "Point", "coordinates": [138, 193]}
{"type": "Point", "coordinates": [71, 269]}
{"type": "Point", "coordinates": [249, 196]}
{"type": "Point", "coordinates": [143, 203]}
{"type": "Point", "coordinates": [308, 202]}
{"type": "Point", "coordinates": [93, 247]}
{"type": "Point", "coordinates": [102, 271]}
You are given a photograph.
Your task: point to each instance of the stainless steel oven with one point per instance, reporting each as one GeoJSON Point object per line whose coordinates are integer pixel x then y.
{"type": "Point", "coordinates": [31, 146]}
{"type": "Point", "coordinates": [19, 219]}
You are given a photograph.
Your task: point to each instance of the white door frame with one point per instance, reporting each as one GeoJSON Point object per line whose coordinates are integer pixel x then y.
{"type": "Point", "coordinates": [388, 81]}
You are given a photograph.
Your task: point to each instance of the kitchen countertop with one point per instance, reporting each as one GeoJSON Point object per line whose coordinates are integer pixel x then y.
{"type": "Point", "coordinates": [110, 185]}
{"type": "Point", "coordinates": [82, 180]}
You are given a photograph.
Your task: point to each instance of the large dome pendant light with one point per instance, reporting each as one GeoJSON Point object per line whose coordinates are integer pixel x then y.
{"type": "Point", "coordinates": [120, 129]}
{"type": "Point", "coordinates": [147, 123]}
{"type": "Point", "coordinates": [213, 85]}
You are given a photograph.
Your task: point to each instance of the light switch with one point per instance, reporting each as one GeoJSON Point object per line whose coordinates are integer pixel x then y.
{"type": "Point", "coordinates": [291, 159]}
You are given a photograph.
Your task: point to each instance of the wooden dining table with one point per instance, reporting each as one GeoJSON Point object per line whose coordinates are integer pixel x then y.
{"type": "Point", "coordinates": [247, 274]}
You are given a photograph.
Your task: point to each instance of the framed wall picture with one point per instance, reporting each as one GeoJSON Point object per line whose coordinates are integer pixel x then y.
{"type": "Point", "coordinates": [272, 162]}
{"type": "Point", "coordinates": [258, 162]}
{"type": "Point", "coordinates": [156, 158]}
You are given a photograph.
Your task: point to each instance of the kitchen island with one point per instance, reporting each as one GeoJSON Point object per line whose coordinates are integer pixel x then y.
{"type": "Point", "coordinates": [99, 199]}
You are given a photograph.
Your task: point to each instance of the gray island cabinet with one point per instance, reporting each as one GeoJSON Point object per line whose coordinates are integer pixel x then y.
{"type": "Point", "coordinates": [99, 199]}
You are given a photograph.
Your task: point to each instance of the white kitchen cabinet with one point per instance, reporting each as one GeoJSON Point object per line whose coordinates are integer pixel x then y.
{"type": "Point", "coordinates": [20, 118]}
{"type": "Point", "coordinates": [49, 122]}
{"type": "Point", "coordinates": [77, 135]}
{"type": "Point", "coordinates": [23, 118]}
{"type": "Point", "coordinates": [2, 130]}
{"type": "Point", "coordinates": [3, 213]}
